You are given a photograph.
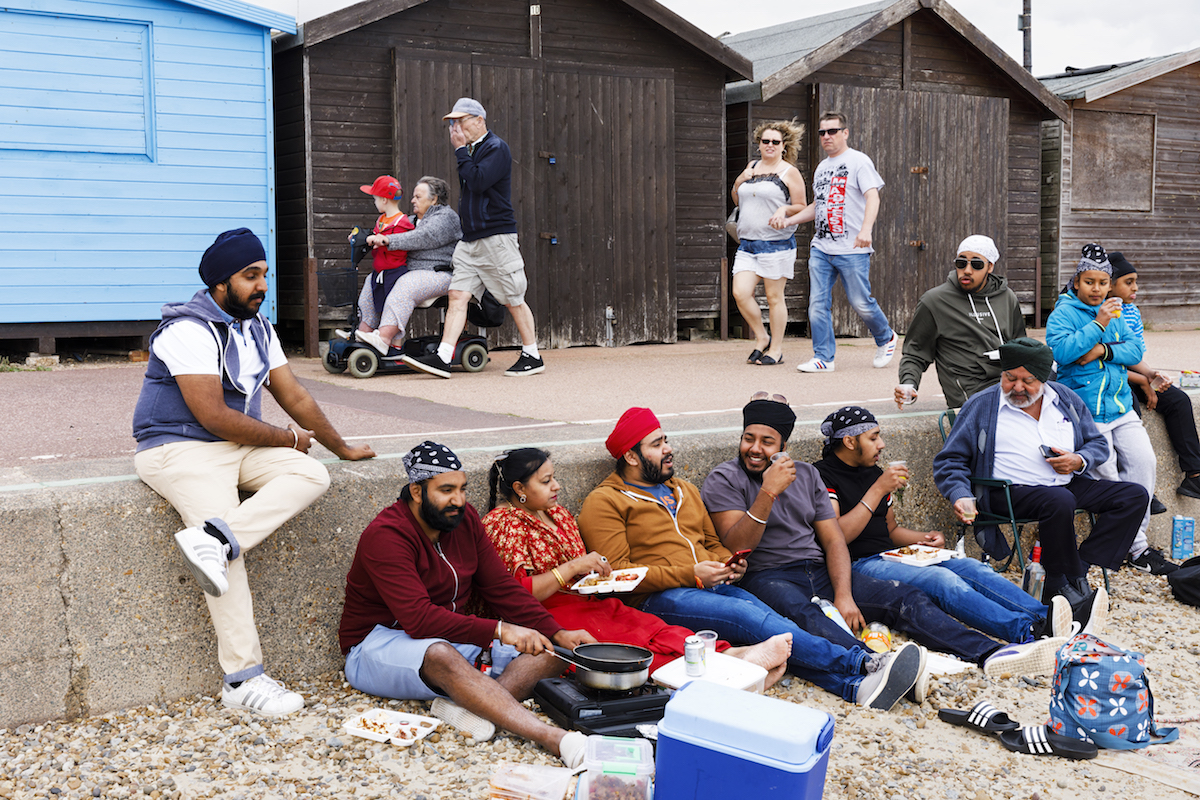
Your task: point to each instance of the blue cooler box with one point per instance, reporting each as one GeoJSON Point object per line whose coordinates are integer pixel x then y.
{"type": "Point", "coordinates": [721, 743]}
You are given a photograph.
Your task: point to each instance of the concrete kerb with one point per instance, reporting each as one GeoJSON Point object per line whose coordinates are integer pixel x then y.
{"type": "Point", "coordinates": [103, 614]}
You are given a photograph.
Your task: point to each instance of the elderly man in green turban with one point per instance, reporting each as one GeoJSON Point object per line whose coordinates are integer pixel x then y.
{"type": "Point", "coordinates": [1039, 435]}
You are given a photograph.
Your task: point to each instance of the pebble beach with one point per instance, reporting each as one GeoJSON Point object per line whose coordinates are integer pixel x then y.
{"type": "Point", "coordinates": [195, 748]}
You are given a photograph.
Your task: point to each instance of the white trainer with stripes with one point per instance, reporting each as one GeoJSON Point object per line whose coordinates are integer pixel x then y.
{"type": "Point", "coordinates": [206, 557]}
{"type": "Point", "coordinates": [262, 694]}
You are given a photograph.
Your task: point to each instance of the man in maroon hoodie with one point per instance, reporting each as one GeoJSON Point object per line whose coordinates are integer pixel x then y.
{"type": "Point", "coordinates": [404, 634]}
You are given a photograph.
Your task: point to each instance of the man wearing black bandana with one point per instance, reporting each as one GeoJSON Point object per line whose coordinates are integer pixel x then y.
{"type": "Point", "coordinates": [780, 509]}
{"type": "Point", "coordinates": [403, 630]}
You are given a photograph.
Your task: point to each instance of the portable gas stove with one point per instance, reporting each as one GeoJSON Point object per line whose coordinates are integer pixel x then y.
{"type": "Point", "coordinates": [594, 711]}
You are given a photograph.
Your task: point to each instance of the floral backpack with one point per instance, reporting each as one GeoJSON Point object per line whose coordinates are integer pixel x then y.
{"type": "Point", "coordinates": [1101, 694]}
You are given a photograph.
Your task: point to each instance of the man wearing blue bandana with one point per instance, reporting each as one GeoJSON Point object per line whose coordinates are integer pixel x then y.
{"type": "Point", "coordinates": [201, 439]}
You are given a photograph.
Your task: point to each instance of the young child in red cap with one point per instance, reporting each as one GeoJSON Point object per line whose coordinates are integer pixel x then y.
{"type": "Point", "coordinates": [388, 264]}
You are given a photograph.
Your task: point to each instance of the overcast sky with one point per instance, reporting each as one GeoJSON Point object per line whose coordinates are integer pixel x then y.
{"type": "Point", "coordinates": [1077, 33]}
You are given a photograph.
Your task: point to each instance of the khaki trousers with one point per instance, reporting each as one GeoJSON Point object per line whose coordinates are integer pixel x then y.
{"type": "Point", "coordinates": [201, 480]}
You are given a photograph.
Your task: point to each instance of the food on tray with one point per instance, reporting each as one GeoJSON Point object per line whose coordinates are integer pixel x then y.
{"type": "Point", "coordinates": [590, 580]}
{"type": "Point", "coordinates": [626, 576]}
{"type": "Point", "coordinates": [382, 725]}
{"type": "Point", "coordinates": [376, 725]}
{"type": "Point", "coordinates": [619, 580]}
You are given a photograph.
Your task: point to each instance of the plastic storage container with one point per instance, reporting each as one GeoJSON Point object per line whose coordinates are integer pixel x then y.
{"type": "Point", "coordinates": [719, 743]}
{"type": "Point", "coordinates": [617, 768]}
{"type": "Point", "coordinates": [718, 668]}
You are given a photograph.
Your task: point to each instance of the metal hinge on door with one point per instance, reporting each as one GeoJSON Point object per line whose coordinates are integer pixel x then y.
{"type": "Point", "coordinates": [917, 243]}
{"type": "Point", "coordinates": [919, 170]}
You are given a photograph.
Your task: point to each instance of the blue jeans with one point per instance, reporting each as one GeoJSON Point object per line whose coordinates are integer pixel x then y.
{"type": "Point", "coordinates": [968, 590]}
{"type": "Point", "coordinates": [854, 271]}
{"type": "Point", "coordinates": [789, 590]}
{"type": "Point", "coordinates": [740, 618]}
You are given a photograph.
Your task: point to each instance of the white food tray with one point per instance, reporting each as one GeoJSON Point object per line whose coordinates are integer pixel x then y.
{"type": "Point", "coordinates": [925, 556]}
{"type": "Point", "coordinates": [401, 729]}
{"type": "Point", "coordinates": [611, 584]}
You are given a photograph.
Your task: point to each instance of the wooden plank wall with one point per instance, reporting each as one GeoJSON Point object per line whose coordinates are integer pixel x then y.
{"type": "Point", "coordinates": [1164, 244]}
{"type": "Point", "coordinates": [1051, 205]}
{"type": "Point", "coordinates": [350, 108]}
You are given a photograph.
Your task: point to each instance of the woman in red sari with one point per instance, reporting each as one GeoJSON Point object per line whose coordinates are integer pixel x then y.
{"type": "Point", "coordinates": [540, 543]}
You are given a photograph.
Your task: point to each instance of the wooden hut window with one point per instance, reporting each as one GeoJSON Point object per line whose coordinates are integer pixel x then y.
{"type": "Point", "coordinates": [74, 84]}
{"type": "Point", "coordinates": [1112, 161]}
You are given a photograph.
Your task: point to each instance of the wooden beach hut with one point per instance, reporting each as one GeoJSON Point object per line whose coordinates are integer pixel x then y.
{"type": "Point", "coordinates": [614, 112]}
{"type": "Point", "coordinates": [1123, 169]}
{"type": "Point", "coordinates": [131, 134]}
{"type": "Point", "coordinates": [951, 122]}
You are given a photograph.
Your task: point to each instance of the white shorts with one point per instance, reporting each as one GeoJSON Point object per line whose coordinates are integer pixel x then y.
{"type": "Point", "coordinates": [771, 266]}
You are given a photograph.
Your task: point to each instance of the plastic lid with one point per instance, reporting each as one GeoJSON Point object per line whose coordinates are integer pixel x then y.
{"type": "Point", "coordinates": [752, 727]}
{"type": "Point", "coordinates": [615, 755]}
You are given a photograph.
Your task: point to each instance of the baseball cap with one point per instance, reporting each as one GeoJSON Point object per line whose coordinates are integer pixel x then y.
{"type": "Point", "coordinates": [466, 107]}
{"type": "Point", "coordinates": [385, 186]}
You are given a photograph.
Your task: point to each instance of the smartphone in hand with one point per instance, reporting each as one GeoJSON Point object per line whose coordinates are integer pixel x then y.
{"type": "Point", "coordinates": [1047, 451]}
{"type": "Point", "coordinates": [738, 556]}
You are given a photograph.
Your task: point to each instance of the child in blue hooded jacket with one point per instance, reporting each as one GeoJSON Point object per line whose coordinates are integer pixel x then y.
{"type": "Point", "coordinates": [1094, 351]}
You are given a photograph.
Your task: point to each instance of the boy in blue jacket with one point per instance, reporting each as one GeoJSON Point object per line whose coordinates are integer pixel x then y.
{"type": "Point", "coordinates": [1094, 351]}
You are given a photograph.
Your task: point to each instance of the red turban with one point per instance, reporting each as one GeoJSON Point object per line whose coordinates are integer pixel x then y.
{"type": "Point", "coordinates": [633, 426]}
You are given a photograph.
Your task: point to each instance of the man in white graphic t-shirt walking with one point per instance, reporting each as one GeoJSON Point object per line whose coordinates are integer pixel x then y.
{"type": "Point", "coordinates": [845, 205]}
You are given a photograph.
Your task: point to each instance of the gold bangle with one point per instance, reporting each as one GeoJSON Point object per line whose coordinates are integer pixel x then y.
{"type": "Point", "coordinates": [558, 575]}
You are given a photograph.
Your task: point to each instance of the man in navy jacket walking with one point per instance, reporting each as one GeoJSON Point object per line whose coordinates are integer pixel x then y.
{"type": "Point", "coordinates": [488, 256]}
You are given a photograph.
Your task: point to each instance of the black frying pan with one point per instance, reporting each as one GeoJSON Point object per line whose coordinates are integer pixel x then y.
{"type": "Point", "coordinates": [608, 666]}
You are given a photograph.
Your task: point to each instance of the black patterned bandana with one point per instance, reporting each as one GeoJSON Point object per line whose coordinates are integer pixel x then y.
{"type": "Point", "coordinates": [847, 421]}
{"type": "Point", "coordinates": [428, 459]}
{"type": "Point", "coordinates": [1095, 258]}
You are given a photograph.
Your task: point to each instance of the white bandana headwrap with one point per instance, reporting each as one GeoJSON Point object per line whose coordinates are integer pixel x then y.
{"type": "Point", "coordinates": [982, 245]}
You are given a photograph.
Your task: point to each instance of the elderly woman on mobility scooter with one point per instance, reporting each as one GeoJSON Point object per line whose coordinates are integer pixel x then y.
{"type": "Point", "coordinates": [430, 246]}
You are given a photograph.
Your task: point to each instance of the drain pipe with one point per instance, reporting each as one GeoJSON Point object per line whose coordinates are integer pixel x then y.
{"type": "Point", "coordinates": [610, 317]}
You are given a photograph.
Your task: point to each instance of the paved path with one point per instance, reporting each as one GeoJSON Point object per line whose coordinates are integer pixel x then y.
{"type": "Point", "coordinates": [72, 423]}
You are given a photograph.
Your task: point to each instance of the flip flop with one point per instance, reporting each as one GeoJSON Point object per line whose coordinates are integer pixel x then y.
{"type": "Point", "coordinates": [767, 361]}
{"type": "Point", "coordinates": [755, 355]}
{"type": "Point", "coordinates": [984, 717]}
{"type": "Point", "coordinates": [1040, 741]}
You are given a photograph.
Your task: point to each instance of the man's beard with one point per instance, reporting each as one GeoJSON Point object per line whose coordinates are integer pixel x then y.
{"type": "Point", "coordinates": [754, 476]}
{"type": "Point", "coordinates": [1024, 402]}
{"type": "Point", "coordinates": [654, 474]}
{"type": "Point", "coordinates": [235, 308]}
{"type": "Point", "coordinates": [440, 519]}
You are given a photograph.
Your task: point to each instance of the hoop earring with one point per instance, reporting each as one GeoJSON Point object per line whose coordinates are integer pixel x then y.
{"type": "Point", "coordinates": [521, 498]}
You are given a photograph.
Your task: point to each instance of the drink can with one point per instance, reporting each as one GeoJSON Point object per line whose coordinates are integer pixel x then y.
{"type": "Point", "coordinates": [1183, 533]}
{"type": "Point", "coordinates": [877, 637]}
{"type": "Point", "coordinates": [693, 656]}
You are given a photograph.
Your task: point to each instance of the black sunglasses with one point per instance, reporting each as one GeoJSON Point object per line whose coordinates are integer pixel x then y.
{"type": "Point", "coordinates": [776, 142]}
{"type": "Point", "coordinates": [977, 264]}
{"type": "Point", "coordinates": [829, 131]}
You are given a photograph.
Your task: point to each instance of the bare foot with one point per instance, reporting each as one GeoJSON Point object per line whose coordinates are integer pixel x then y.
{"type": "Point", "coordinates": [771, 655]}
{"type": "Point", "coordinates": [774, 675]}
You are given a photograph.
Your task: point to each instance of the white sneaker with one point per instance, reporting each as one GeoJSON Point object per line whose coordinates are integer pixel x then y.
{"type": "Point", "coordinates": [470, 723]}
{"type": "Point", "coordinates": [341, 333]}
{"type": "Point", "coordinates": [375, 340]}
{"type": "Point", "coordinates": [206, 558]}
{"type": "Point", "coordinates": [890, 676]}
{"type": "Point", "coordinates": [262, 694]}
{"type": "Point", "coordinates": [1032, 658]}
{"type": "Point", "coordinates": [884, 352]}
{"type": "Point", "coordinates": [1099, 616]}
{"type": "Point", "coordinates": [815, 364]}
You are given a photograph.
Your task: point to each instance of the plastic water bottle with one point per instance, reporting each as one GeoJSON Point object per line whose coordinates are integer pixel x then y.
{"type": "Point", "coordinates": [1034, 578]}
{"type": "Point", "coordinates": [831, 611]}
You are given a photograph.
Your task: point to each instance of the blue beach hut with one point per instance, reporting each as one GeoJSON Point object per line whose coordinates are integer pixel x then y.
{"type": "Point", "coordinates": [131, 133]}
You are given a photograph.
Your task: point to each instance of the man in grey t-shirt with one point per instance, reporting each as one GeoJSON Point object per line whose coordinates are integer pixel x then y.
{"type": "Point", "coordinates": [781, 512]}
{"type": "Point", "coordinates": [844, 207]}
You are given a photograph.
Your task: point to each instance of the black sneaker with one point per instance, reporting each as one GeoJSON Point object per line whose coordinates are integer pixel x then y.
{"type": "Point", "coordinates": [1156, 505]}
{"type": "Point", "coordinates": [526, 365]}
{"type": "Point", "coordinates": [1190, 486]}
{"type": "Point", "coordinates": [430, 364]}
{"type": "Point", "coordinates": [1152, 561]}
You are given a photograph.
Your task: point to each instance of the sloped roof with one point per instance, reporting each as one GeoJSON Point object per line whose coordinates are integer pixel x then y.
{"type": "Point", "coordinates": [1095, 82]}
{"type": "Point", "coordinates": [783, 55]}
{"type": "Point", "coordinates": [771, 49]}
{"type": "Point", "coordinates": [247, 12]}
{"type": "Point", "coordinates": [364, 13]}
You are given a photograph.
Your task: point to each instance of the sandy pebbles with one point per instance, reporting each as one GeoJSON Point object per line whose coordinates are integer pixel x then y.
{"type": "Point", "coordinates": [195, 748]}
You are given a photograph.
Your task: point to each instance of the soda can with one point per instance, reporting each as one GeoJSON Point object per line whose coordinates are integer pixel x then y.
{"type": "Point", "coordinates": [693, 656]}
{"type": "Point", "coordinates": [877, 637]}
